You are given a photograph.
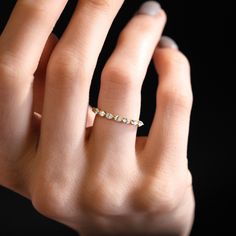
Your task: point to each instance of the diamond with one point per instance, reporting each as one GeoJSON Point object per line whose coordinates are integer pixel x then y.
{"type": "Point", "coordinates": [140, 123]}
{"type": "Point", "coordinates": [95, 110]}
{"type": "Point", "coordinates": [102, 113]}
{"type": "Point", "coordinates": [125, 121]}
{"type": "Point", "coordinates": [109, 116]}
{"type": "Point", "coordinates": [118, 118]}
{"type": "Point", "coordinates": [134, 122]}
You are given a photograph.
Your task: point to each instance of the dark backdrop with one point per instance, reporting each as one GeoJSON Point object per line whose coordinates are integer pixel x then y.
{"type": "Point", "coordinates": [202, 31]}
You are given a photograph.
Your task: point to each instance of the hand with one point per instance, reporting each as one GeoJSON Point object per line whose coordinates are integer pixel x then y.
{"type": "Point", "coordinates": [100, 180]}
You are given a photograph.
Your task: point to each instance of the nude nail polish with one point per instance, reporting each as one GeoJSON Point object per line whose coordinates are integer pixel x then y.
{"type": "Point", "coordinates": [167, 42]}
{"type": "Point", "coordinates": [151, 8]}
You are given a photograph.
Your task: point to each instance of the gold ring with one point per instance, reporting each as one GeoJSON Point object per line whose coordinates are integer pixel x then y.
{"type": "Point", "coordinates": [117, 118]}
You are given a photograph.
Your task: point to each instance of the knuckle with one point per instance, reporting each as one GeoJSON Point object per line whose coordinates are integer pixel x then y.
{"type": "Point", "coordinates": [176, 99]}
{"type": "Point", "coordinates": [51, 201]}
{"type": "Point", "coordinates": [63, 62]}
{"type": "Point", "coordinates": [168, 200]}
{"type": "Point", "coordinates": [120, 77]}
{"type": "Point", "coordinates": [109, 200]}
{"type": "Point", "coordinates": [63, 69]}
{"type": "Point", "coordinates": [99, 3]}
{"type": "Point", "coordinates": [157, 197]}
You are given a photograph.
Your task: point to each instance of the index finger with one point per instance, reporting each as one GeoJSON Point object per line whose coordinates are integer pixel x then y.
{"type": "Point", "coordinates": [26, 33]}
{"type": "Point", "coordinates": [21, 45]}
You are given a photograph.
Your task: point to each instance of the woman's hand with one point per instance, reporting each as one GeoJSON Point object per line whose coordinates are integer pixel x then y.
{"type": "Point", "coordinates": [100, 180]}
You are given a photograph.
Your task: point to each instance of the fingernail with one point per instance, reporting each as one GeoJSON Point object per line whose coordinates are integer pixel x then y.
{"type": "Point", "coordinates": [151, 8]}
{"type": "Point", "coordinates": [167, 42]}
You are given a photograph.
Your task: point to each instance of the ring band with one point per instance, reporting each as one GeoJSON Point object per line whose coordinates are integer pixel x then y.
{"type": "Point", "coordinates": [117, 118]}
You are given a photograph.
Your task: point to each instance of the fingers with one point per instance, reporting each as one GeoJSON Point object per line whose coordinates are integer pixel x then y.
{"type": "Point", "coordinates": [21, 45]}
{"type": "Point", "coordinates": [167, 142]}
{"type": "Point", "coordinates": [123, 75]}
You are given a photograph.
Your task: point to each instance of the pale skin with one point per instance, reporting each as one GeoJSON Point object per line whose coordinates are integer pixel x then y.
{"type": "Point", "coordinates": [92, 174]}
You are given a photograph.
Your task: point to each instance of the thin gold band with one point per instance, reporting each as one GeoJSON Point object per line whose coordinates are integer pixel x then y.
{"type": "Point", "coordinates": [117, 118]}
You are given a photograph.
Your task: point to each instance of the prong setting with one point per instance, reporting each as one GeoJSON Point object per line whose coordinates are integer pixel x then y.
{"type": "Point", "coordinates": [117, 118]}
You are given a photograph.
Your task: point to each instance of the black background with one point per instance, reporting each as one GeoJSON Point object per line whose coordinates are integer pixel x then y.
{"type": "Point", "coordinates": [204, 33]}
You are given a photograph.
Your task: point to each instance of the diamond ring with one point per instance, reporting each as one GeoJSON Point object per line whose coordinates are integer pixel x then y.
{"type": "Point", "coordinates": [117, 118]}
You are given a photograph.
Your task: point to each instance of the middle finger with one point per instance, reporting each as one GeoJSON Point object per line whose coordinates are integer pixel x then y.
{"type": "Point", "coordinates": [69, 75]}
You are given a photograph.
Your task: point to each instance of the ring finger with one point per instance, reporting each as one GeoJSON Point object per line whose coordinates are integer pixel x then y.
{"type": "Point", "coordinates": [122, 78]}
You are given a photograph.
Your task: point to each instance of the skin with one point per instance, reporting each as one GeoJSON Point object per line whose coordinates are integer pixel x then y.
{"type": "Point", "coordinates": [94, 176]}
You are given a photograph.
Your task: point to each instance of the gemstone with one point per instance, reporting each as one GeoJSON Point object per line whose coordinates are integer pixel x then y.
{"type": "Point", "coordinates": [102, 113]}
{"type": "Point", "coordinates": [140, 123]}
{"type": "Point", "coordinates": [109, 116]}
{"type": "Point", "coordinates": [95, 110]}
{"type": "Point", "coordinates": [134, 122]}
{"type": "Point", "coordinates": [125, 121]}
{"type": "Point", "coordinates": [118, 118]}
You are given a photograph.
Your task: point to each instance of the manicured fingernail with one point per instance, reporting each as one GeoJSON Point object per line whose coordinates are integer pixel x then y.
{"type": "Point", "coordinates": [167, 42]}
{"type": "Point", "coordinates": [151, 8]}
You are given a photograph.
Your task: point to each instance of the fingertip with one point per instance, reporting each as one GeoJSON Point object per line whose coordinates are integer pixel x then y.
{"type": "Point", "coordinates": [167, 56]}
{"type": "Point", "coordinates": [167, 42]}
{"type": "Point", "coordinates": [151, 8]}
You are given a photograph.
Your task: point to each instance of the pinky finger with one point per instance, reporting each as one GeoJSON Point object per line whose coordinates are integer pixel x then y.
{"type": "Point", "coordinates": [168, 137]}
